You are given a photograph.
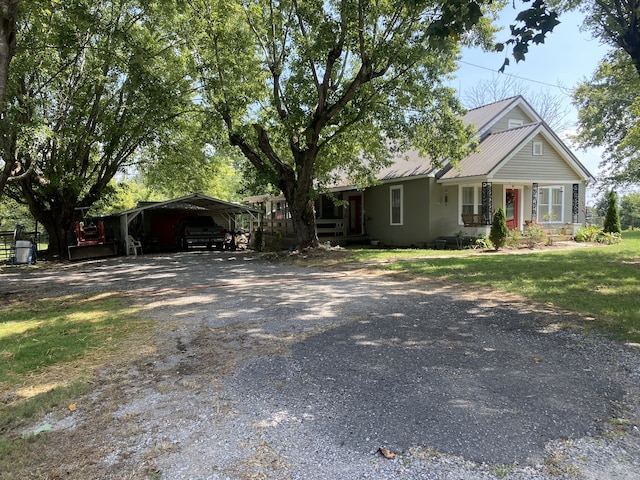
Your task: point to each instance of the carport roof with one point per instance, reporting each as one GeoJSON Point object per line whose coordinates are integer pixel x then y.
{"type": "Point", "coordinates": [195, 202]}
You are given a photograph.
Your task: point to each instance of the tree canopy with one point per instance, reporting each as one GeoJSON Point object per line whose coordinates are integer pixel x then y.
{"type": "Point", "coordinates": [609, 116]}
{"type": "Point", "coordinates": [608, 112]}
{"type": "Point", "coordinates": [96, 82]}
{"type": "Point", "coordinates": [318, 90]}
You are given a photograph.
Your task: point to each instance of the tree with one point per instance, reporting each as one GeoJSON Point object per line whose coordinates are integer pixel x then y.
{"type": "Point", "coordinates": [614, 22]}
{"type": "Point", "coordinates": [97, 82]}
{"type": "Point", "coordinates": [612, 218]}
{"type": "Point", "coordinates": [617, 24]}
{"type": "Point", "coordinates": [8, 16]}
{"type": "Point", "coordinates": [499, 231]}
{"type": "Point", "coordinates": [185, 163]}
{"type": "Point", "coordinates": [549, 106]}
{"type": "Point", "coordinates": [609, 116]}
{"type": "Point", "coordinates": [630, 211]}
{"type": "Point", "coordinates": [309, 91]}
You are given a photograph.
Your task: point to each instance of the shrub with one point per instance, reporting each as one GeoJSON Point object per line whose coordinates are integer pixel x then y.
{"type": "Point", "coordinates": [608, 238]}
{"type": "Point", "coordinates": [535, 235]}
{"type": "Point", "coordinates": [482, 242]}
{"type": "Point", "coordinates": [499, 231]}
{"type": "Point", "coordinates": [612, 217]}
{"type": "Point", "coordinates": [589, 233]}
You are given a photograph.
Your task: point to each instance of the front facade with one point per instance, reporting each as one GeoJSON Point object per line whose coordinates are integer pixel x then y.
{"type": "Point", "coordinates": [520, 165]}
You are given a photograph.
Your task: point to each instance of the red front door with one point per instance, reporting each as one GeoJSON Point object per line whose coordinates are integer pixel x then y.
{"type": "Point", "coordinates": [355, 215]}
{"type": "Point", "coordinates": [512, 212]}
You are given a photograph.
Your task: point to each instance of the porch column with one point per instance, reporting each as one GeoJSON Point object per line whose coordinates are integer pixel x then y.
{"type": "Point", "coordinates": [487, 202]}
{"type": "Point", "coordinates": [534, 202]}
{"type": "Point", "coordinates": [575, 204]}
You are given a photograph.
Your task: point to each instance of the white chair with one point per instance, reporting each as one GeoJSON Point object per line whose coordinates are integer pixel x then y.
{"type": "Point", "coordinates": [133, 245]}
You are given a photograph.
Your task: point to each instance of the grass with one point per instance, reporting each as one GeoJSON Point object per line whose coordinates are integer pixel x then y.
{"type": "Point", "coordinates": [48, 350]}
{"type": "Point", "coordinates": [601, 282]}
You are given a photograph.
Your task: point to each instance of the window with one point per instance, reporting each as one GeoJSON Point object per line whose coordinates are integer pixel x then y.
{"type": "Point", "coordinates": [470, 201]}
{"type": "Point", "coordinates": [396, 205]}
{"type": "Point", "coordinates": [513, 123]}
{"type": "Point", "coordinates": [537, 148]}
{"type": "Point", "coordinates": [550, 205]}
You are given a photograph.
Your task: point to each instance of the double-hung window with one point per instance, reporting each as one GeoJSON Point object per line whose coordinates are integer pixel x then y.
{"type": "Point", "coordinates": [396, 200]}
{"type": "Point", "coordinates": [470, 201]}
{"type": "Point", "coordinates": [550, 204]}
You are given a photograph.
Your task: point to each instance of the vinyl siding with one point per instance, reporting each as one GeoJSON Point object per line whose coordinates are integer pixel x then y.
{"type": "Point", "coordinates": [415, 202]}
{"type": "Point", "coordinates": [515, 113]}
{"type": "Point", "coordinates": [548, 167]}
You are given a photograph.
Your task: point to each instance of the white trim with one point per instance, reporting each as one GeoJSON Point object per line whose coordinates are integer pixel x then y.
{"type": "Point", "coordinates": [536, 149]}
{"type": "Point", "coordinates": [550, 189]}
{"type": "Point", "coordinates": [477, 200]}
{"type": "Point", "coordinates": [392, 189]}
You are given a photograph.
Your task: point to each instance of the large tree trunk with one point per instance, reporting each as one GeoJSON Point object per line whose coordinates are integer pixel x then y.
{"type": "Point", "coordinates": [297, 190]}
{"type": "Point", "coordinates": [59, 233]}
{"type": "Point", "coordinates": [57, 216]}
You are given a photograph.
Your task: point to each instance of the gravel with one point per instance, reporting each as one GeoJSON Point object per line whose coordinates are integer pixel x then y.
{"type": "Point", "coordinates": [270, 371]}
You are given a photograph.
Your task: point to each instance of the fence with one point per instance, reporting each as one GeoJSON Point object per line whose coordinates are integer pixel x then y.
{"type": "Point", "coordinates": [8, 242]}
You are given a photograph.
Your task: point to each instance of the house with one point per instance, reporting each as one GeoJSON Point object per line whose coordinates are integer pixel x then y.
{"type": "Point", "coordinates": [520, 165]}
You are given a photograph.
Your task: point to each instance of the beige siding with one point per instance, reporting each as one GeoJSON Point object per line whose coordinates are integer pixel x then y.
{"type": "Point", "coordinates": [514, 114]}
{"type": "Point", "coordinates": [548, 167]}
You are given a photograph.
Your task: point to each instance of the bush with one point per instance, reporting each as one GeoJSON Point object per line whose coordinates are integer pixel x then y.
{"type": "Point", "coordinates": [612, 217]}
{"type": "Point", "coordinates": [589, 233]}
{"type": "Point", "coordinates": [482, 242]}
{"type": "Point", "coordinates": [499, 231]}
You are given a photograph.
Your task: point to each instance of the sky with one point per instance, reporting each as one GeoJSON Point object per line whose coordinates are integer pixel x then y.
{"type": "Point", "coordinates": [567, 57]}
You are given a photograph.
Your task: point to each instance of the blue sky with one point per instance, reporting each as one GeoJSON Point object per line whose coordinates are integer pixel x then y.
{"type": "Point", "coordinates": [567, 57]}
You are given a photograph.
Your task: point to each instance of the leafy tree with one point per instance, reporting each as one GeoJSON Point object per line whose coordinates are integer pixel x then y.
{"type": "Point", "coordinates": [96, 82]}
{"type": "Point", "coordinates": [8, 16]}
{"type": "Point", "coordinates": [612, 218]}
{"type": "Point", "coordinates": [630, 211]}
{"type": "Point", "coordinates": [185, 162]}
{"type": "Point", "coordinates": [609, 111]}
{"type": "Point", "coordinates": [612, 21]}
{"type": "Point", "coordinates": [123, 195]}
{"type": "Point", "coordinates": [315, 90]}
{"type": "Point", "coordinates": [609, 116]}
{"type": "Point", "coordinates": [499, 231]}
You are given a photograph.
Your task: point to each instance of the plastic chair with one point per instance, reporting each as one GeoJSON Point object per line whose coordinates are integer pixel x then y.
{"type": "Point", "coordinates": [133, 245]}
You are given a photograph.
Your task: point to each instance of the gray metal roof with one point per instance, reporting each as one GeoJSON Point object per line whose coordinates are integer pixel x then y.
{"type": "Point", "coordinates": [482, 116]}
{"type": "Point", "coordinates": [495, 148]}
{"type": "Point", "coordinates": [408, 164]}
{"type": "Point", "coordinates": [195, 202]}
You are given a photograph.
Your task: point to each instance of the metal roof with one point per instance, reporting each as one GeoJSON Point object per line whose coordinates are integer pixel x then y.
{"type": "Point", "coordinates": [493, 150]}
{"type": "Point", "coordinates": [408, 164]}
{"type": "Point", "coordinates": [483, 115]}
{"type": "Point", "coordinates": [195, 202]}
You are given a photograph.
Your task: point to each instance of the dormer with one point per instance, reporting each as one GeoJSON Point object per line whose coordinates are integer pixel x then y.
{"type": "Point", "coordinates": [510, 113]}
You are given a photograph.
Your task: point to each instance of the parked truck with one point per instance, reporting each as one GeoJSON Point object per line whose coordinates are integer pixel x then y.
{"type": "Point", "coordinates": [199, 231]}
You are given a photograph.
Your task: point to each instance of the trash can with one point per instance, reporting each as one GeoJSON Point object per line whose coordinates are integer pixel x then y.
{"type": "Point", "coordinates": [23, 251]}
{"type": "Point", "coordinates": [441, 244]}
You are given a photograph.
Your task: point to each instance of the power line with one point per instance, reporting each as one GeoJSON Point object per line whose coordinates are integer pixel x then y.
{"type": "Point", "coordinates": [562, 89]}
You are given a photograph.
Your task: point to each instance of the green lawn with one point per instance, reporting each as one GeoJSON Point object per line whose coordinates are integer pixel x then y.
{"type": "Point", "coordinates": [48, 348]}
{"type": "Point", "coordinates": [602, 282]}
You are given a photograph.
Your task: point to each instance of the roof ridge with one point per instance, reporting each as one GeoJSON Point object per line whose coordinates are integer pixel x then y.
{"type": "Point", "coordinates": [508, 99]}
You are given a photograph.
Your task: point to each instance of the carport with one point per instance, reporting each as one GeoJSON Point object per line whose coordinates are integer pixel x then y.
{"type": "Point", "coordinates": [154, 222]}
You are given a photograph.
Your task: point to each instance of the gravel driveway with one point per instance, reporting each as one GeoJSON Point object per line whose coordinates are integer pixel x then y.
{"type": "Point", "coordinates": [268, 371]}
